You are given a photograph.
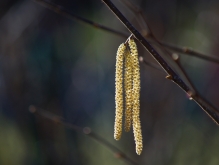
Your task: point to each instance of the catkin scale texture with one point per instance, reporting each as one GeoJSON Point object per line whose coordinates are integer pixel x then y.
{"type": "Point", "coordinates": [135, 97]}
{"type": "Point", "coordinates": [119, 92]}
{"type": "Point", "coordinates": [128, 91]}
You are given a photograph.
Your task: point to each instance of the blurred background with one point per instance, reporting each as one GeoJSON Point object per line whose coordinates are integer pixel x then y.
{"type": "Point", "coordinates": [68, 68]}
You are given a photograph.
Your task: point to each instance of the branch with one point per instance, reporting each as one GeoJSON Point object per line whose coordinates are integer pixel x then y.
{"type": "Point", "coordinates": [86, 130]}
{"type": "Point", "coordinates": [189, 51]}
{"type": "Point", "coordinates": [148, 33]}
{"type": "Point", "coordinates": [210, 110]}
{"type": "Point", "coordinates": [60, 10]}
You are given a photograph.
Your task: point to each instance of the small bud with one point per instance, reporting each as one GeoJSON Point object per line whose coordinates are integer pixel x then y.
{"type": "Point", "coordinates": [190, 95]}
{"type": "Point", "coordinates": [175, 57]}
{"type": "Point", "coordinates": [169, 77]}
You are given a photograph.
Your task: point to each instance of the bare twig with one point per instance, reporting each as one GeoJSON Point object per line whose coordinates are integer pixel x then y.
{"type": "Point", "coordinates": [195, 91]}
{"type": "Point", "coordinates": [60, 10]}
{"type": "Point", "coordinates": [86, 130]}
{"type": "Point", "coordinates": [209, 109]}
{"type": "Point", "coordinates": [149, 35]}
{"type": "Point", "coordinates": [174, 78]}
{"type": "Point", "coordinates": [176, 58]}
{"type": "Point", "coordinates": [189, 51]}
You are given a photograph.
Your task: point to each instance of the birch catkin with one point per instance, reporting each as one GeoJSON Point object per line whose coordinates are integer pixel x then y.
{"type": "Point", "coordinates": [136, 96]}
{"type": "Point", "coordinates": [128, 91]}
{"type": "Point", "coordinates": [119, 92]}
{"type": "Point", "coordinates": [132, 93]}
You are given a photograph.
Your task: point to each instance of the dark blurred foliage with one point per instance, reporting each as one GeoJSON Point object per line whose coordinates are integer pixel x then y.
{"type": "Point", "coordinates": [68, 68]}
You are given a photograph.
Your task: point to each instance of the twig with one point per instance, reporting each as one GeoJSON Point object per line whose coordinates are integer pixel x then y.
{"type": "Point", "coordinates": [86, 130]}
{"type": "Point", "coordinates": [195, 91]}
{"type": "Point", "coordinates": [149, 35]}
{"type": "Point", "coordinates": [189, 51]}
{"type": "Point", "coordinates": [209, 109]}
{"type": "Point", "coordinates": [60, 10]}
{"type": "Point", "coordinates": [176, 58]}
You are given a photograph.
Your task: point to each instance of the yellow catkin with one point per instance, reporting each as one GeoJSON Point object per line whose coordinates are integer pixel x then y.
{"type": "Point", "coordinates": [119, 92]}
{"type": "Point", "coordinates": [128, 91]}
{"type": "Point", "coordinates": [135, 97]}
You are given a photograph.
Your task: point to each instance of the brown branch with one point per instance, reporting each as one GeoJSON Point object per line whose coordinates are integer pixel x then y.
{"type": "Point", "coordinates": [189, 51]}
{"type": "Point", "coordinates": [60, 10]}
{"type": "Point", "coordinates": [210, 110]}
{"type": "Point", "coordinates": [86, 130]}
{"type": "Point", "coordinates": [176, 58]}
{"type": "Point", "coordinates": [176, 79]}
{"type": "Point", "coordinates": [149, 35]}
{"type": "Point", "coordinates": [195, 91]}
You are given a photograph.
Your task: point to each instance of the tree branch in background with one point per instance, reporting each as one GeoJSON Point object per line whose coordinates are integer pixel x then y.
{"type": "Point", "coordinates": [208, 108]}
{"type": "Point", "coordinates": [62, 11]}
{"type": "Point", "coordinates": [149, 35]}
{"type": "Point", "coordinates": [86, 130]}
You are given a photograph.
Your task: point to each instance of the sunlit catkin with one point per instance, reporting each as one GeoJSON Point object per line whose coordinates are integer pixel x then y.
{"type": "Point", "coordinates": [128, 90]}
{"type": "Point", "coordinates": [136, 96]}
{"type": "Point", "coordinates": [119, 92]}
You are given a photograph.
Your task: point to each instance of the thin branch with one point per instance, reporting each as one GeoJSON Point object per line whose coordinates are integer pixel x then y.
{"type": "Point", "coordinates": [195, 91]}
{"type": "Point", "coordinates": [86, 130]}
{"type": "Point", "coordinates": [176, 58]}
{"type": "Point", "coordinates": [209, 109]}
{"type": "Point", "coordinates": [141, 59]}
{"type": "Point", "coordinates": [60, 10]}
{"type": "Point", "coordinates": [140, 17]}
{"type": "Point", "coordinates": [149, 35]}
{"type": "Point", "coordinates": [69, 15]}
{"type": "Point", "coordinates": [189, 51]}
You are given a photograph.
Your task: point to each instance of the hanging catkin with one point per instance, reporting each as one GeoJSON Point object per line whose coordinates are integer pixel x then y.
{"type": "Point", "coordinates": [119, 92]}
{"type": "Point", "coordinates": [132, 92]}
{"type": "Point", "coordinates": [136, 97]}
{"type": "Point", "coordinates": [128, 76]}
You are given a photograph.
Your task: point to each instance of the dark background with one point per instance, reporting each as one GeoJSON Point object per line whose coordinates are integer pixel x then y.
{"type": "Point", "coordinates": [68, 68]}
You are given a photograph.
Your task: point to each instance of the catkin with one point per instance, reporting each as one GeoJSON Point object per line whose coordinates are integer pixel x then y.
{"type": "Point", "coordinates": [119, 92]}
{"type": "Point", "coordinates": [135, 97]}
{"type": "Point", "coordinates": [128, 91]}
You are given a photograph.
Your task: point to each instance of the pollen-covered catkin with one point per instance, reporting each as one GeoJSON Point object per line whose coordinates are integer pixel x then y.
{"type": "Point", "coordinates": [136, 97]}
{"type": "Point", "coordinates": [119, 92]}
{"type": "Point", "coordinates": [128, 91]}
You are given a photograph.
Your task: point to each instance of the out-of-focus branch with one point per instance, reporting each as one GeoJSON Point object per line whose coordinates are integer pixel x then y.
{"type": "Point", "coordinates": [149, 35]}
{"type": "Point", "coordinates": [86, 130]}
{"type": "Point", "coordinates": [208, 108]}
{"type": "Point", "coordinates": [62, 11]}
